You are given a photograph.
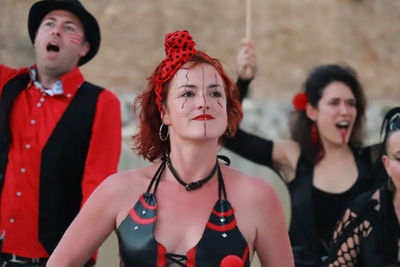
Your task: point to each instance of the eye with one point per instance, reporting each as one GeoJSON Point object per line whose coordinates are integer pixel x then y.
{"type": "Point", "coordinates": [352, 103]}
{"type": "Point", "coordinates": [70, 28]}
{"type": "Point", "coordinates": [215, 93]}
{"type": "Point", "coordinates": [48, 24]}
{"type": "Point", "coordinates": [187, 94]}
{"type": "Point", "coordinates": [334, 102]}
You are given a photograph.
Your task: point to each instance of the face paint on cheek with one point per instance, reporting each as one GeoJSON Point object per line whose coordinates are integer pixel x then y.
{"type": "Point", "coordinates": [220, 104]}
{"type": "Point", "coordinates": [75, 38]}
{"type": "Point", "coordinates": [187, 82]}
{"type": "Point", "coordinates": [183, 104]}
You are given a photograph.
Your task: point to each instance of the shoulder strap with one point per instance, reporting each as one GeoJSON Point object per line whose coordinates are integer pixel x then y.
{"type": "Point", "coordinates": [156, 178]}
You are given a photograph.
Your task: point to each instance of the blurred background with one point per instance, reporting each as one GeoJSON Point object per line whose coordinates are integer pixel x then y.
{"type": "Point", "coordinates": [291, 37]}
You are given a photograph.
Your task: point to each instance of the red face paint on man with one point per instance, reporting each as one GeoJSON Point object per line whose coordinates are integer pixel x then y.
{"type": "Point", "coordinates": [58, 42]}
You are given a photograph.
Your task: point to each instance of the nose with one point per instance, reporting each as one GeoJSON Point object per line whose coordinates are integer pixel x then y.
{"type": "Point", "coordinates": [344, 107]}
{"type": "Point", "coordinates": [202, 102]}
{"type": "Point", "coordinates": [55, 31]}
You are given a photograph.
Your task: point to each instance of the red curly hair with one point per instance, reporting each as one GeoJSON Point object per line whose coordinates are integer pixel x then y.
{"type": "Point", "coordinates": [147, 142]}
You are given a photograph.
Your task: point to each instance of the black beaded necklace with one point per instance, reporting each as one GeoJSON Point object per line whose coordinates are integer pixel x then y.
{"type": "Point", "coordinates": [192, 185]}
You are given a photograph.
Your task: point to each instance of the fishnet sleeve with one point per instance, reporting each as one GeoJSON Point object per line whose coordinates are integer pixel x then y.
{"type": "Point", "coordinates": [354, 227]}
{"type": "Point", "coordinates": [350, 232]}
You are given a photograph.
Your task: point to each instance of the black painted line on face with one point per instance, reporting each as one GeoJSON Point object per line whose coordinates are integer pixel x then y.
{"type": "Point", "coordinates": [205, 101]}
{"type": "Point", "coordinates": [219, 99]}
{"type": "Point", "coordinates": [187, 82]}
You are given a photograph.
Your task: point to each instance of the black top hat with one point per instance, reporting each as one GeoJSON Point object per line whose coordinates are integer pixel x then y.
{"type": "Point", "coordinates": [92, 30]}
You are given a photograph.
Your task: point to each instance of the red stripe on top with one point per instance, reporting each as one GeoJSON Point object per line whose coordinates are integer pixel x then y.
{"type": "Point", "coordinates": [161, 251]}
{"type": "Point", "coordinates": [140, 220]}
{"type": "Point", "coordinates": [245, 254]}
{"type": "Point", "coordinates": [146, 205]}
{"type": "Point", "coordinates": [191, 254]}
{"type": "Point", "coordinates": [222, 228]}
{"type": "Point", "coordinates": [223, 214]}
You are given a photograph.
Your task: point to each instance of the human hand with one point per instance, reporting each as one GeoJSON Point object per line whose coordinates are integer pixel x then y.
{"type": "Point", "coordinates": [246, 60]}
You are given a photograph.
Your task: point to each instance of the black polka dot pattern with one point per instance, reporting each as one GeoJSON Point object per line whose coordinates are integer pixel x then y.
{"type": "Point", "coordinates": [179, 48]}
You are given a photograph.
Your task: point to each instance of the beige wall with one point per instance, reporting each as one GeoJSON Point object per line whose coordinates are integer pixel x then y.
{"type": "Point", "coordinates": [291, 36]}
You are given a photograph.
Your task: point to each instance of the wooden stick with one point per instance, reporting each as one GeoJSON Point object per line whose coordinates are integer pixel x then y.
{"type": "Point", "coordinates": [248, 30]}
{"type": "Point", "coordinates": [248, 20]}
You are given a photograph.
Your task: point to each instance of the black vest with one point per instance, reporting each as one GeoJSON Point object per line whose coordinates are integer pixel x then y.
{"type": "Point", "coordinates": [308, 249]}
{"type": "Point", "coordinates": [63, 158]}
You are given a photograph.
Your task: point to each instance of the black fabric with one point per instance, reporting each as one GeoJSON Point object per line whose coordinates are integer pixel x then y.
{"type": "Point", "coordinates": [138, 246]}
{"type": "Point", "coordinates": [378, 245]}
{"type": "Point", "coordinates": [62, 166]}
{"type": "Point", "coordinates": [328, 207]}
{"type": "Point", "coordinates": [10, 91]}
{"type": "Point", "coordinates": [63, 158]}
{"type": "Point", "coordinates": [308, 247]}
{"type": "Point", "coordinates": [251, 147]}
{"type": "Point", "coordinates": [11, 260]}
{"type": "Point", "coordinates": [302, 230]}
{"type": "Point", "coordinates": [243, 86]}
{"type": "Point", "coordinates": [13, 264]}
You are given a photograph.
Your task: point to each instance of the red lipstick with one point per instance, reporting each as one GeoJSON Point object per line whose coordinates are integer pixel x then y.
{"type": "Point", "coordinates": [203, 117]}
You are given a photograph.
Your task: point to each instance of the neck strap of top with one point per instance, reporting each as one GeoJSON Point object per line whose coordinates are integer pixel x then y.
{"type": "Point", "coordinates": [194, 185]}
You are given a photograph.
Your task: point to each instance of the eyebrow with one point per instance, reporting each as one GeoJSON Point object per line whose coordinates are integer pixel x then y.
{"type": "Point", "coordinates": [187, 86]}
{"type": "Point", "coordinates": [214, 85]}
{"type": "Point", "coordinates": [194, 86]}
{"type": "Point", "coordinates": [65, 22]}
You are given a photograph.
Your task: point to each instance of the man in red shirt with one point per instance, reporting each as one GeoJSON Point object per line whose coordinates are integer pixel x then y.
{"type": "Point", "coordinates": [59, 135]}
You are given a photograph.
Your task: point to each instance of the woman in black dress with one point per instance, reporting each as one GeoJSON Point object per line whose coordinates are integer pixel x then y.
{"type": "Point", "coordinates": [324, 165]}
{"type": "Point", "coordinates": [369, 233]}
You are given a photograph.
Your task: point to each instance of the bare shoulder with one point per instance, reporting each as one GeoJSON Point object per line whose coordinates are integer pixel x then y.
{"type": "Point", "coordinates": [254, 188]}
{"type": "Point", "coordinates": [126, 184]}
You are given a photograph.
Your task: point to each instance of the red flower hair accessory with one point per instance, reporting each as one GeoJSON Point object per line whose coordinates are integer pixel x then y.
{"type": "Point", "coordinates": [300, 101]}
{"type": "Point", "coordinates": [179, 48]}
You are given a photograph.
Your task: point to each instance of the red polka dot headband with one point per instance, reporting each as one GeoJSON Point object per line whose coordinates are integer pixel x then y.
{"type": "Point", "coordinates": [179, 48]}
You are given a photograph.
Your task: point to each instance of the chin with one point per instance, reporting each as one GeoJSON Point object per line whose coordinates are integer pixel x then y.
{"type": "Point", "coordinates": [207, 138]}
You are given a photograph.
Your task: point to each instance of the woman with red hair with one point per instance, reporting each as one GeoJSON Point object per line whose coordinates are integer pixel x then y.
{"type": "Point", "coordinates": [187, 209]}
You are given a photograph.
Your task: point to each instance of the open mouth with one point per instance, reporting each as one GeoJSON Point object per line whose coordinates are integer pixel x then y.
{"type": "Point", "coordinates": [343, 125]}
{"type": "Point", "coordinates": [53, 47]}
{"type": "Point", "coordinates": [343, 128]}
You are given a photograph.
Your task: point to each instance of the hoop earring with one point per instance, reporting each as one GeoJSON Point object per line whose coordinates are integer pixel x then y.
{"type": "Point", "coordinates": [390, 184]}
{"type": "Point", "coordinates": [163, 138]}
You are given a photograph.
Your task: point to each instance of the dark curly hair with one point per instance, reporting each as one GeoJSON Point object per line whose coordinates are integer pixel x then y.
{"type": "Point", "coordinates": [314, 85]}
